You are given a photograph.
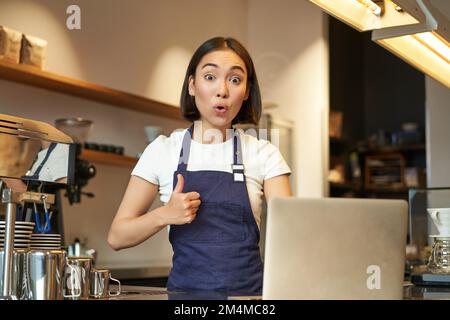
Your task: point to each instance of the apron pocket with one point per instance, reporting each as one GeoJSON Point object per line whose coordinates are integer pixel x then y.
{"type": "Point", "coordinates": [215, 223]}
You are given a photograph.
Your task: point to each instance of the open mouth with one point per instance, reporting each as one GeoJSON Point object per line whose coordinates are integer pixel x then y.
{"type": "Point", "coordinates": [220, 109]}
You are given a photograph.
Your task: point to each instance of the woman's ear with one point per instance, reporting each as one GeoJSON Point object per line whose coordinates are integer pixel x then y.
{"type": "Point", "coordinates": [191, 87]}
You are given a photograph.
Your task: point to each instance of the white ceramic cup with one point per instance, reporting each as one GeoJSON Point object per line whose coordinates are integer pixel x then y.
{"type": "Point", "coordinates": [441, 218]}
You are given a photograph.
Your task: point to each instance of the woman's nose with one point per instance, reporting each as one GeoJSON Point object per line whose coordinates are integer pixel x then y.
{"type": "Point", "coordinates": [222, 91]}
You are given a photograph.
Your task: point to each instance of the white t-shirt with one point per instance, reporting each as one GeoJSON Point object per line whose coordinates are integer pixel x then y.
{"type": "Point", "coordinates": [262, 160]}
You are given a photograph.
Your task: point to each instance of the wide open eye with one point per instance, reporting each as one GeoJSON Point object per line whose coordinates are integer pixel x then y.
{"type": "Point", "coordinates": [235, 80]}
{"type": "Point", "coordinates": [209, 76]}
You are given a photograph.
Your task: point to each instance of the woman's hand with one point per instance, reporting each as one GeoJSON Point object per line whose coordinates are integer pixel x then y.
{"type": "Point", "coordinates": [134, 224]}
{"type": "Point", "coordinates": [182, 207]}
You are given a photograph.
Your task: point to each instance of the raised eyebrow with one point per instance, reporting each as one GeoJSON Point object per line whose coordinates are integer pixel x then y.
{"type": "Point", "coordinates": [236, 67]}
{"type": "Point", "coordinates": [210, 65]}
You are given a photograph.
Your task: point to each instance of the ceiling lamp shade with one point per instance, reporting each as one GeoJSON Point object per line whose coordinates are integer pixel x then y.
{"type": "Point", "coordinates": [424, 45]}
{"type": "Point", "coordinates": [365, 15]}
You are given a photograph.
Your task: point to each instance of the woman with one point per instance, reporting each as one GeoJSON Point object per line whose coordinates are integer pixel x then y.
{"type": "Point", "coordinates": [211, 179]}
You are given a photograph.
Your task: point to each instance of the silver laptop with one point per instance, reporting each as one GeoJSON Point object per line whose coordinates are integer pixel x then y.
{"type": "Point", "coordinates": [335, 249]}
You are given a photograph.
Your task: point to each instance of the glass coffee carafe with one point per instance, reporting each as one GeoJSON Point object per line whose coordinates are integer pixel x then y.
{"type": "Point", "coordinates": [439, 261]}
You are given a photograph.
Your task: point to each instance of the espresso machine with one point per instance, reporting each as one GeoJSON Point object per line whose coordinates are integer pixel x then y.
{"type": "Point", "coordinates": [33, 154]}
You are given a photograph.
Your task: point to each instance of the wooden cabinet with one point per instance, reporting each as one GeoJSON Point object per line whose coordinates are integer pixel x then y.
{"type": "Point", "coordinates": [384, 171]}
{"type": "Point", "coordinates": [381, 172]}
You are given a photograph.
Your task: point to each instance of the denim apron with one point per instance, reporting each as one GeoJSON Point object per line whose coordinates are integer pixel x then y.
{"type": "Point", "coordinates": [219, 249]}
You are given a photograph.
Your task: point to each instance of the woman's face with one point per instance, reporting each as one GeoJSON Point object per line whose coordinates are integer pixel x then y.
{"type": "Point", "coordinates": [219, 87]}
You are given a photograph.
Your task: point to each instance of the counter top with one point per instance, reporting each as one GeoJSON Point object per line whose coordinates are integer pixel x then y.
{"type": "Point", "coordinates": [158, 293]}
{"type": "Point", "coordinates": [140, 273]}
{"type": "Point", "coordinates": [411, 292]}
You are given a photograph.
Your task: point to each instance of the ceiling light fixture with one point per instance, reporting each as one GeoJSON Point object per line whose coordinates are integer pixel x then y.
{"type": "Point", "coordinates": [364, 15]}
{"type": "Point", "coordinates": [424, 45]}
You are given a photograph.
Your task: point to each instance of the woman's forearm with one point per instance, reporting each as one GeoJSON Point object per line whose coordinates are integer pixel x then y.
{"type": "Point", "coordinates": [129, 232]}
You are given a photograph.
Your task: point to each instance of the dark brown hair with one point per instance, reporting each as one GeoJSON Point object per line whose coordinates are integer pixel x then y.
{"type": "Point", "coordinates": [251, 108]}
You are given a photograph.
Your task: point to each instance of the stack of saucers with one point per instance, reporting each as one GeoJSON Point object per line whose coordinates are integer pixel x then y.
{"type": "Point", "coordinates": [45, 241]}
{"type": "Point", "coordinates": [22, 234]}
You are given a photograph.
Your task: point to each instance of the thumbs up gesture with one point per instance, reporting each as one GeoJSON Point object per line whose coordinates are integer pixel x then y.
{"type": "Point", "coordinates": [182, 207]}
{"type": "Point", "coordinates": [180, 184]}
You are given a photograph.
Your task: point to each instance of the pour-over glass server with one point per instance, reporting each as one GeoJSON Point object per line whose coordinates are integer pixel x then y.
{"type": "Point", "coordinates": [439, 261]}
{"type": "Point", "coordinates": [429, 233]}
{"type": "Point", "coordinates": [30, 151]}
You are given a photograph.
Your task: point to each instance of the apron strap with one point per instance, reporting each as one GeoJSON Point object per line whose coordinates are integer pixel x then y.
{"type": "Point", "coordinates": [237, 166]}
{"type": "Point", "coordinates": [185, 149]}
{"type": "Point", "coordinates": [237, 149]}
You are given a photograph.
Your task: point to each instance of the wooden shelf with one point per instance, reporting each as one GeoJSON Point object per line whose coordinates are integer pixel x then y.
{"type": "Point", "coordinates": [46, 80]}
{"type": "Point", "coordinates": [108, 158]}
{"type": "Point", "coordinates": [386, 189]}
{"type": "Point", "coordinates": [345, 185]}
{"type": "Point", "coordinates": [391, 149]}
{"type": "Point", "coordinates": [359, 188]}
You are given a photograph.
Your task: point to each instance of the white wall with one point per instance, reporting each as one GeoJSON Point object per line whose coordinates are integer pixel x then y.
{"type": "Point", "coordinates": [437, 123]}
{"type": "Point", "coordinates": [438, 133]}
{"type": "Point", "coordinates": [290, 51]}
{"type": "Point", "coordinates": [143, 47]}
{"type": "Point", "coordinates": [438, 147]}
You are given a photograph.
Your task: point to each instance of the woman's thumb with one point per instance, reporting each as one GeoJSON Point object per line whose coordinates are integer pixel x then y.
{"type": "Point", "coordinates": [180, 184]}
